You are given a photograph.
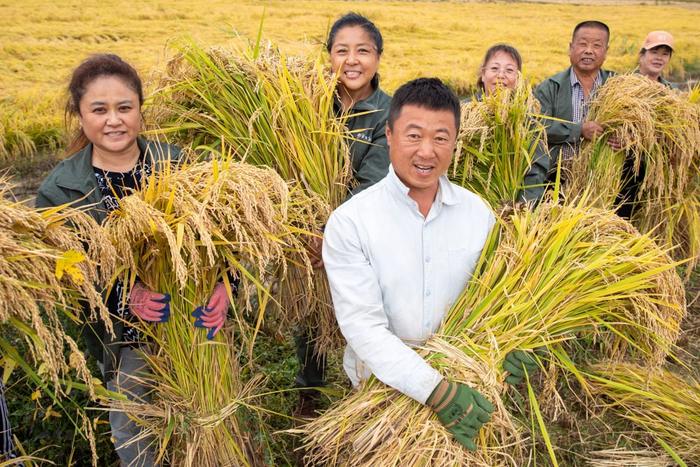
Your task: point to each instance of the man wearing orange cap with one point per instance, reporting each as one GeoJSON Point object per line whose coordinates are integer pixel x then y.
{"type": "Point", "coordinates": [655, 54]}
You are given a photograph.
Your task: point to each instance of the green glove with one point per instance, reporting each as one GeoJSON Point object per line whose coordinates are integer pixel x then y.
{"type": "Point", "coordinates": [461, 409]}
{"type": "Point", "coordinates": [514, 363]}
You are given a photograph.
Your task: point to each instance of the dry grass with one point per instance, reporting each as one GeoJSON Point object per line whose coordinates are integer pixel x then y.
{"type": "Point", "coordinates": [665, 405]}
{"type": "Point", "coordinates": [47, 274]}
{"type": "Point", "coordinates": [274, 111]}
{"type": "Point", "coordinates": [496, 145]}
{"type": "Point", "coordinates": [660, 131]}
{"type": "Point", "coordinates": [186, 230]}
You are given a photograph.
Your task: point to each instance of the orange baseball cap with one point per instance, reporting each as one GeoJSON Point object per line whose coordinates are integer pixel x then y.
{"type": "Point", "coordinates": [657, 38]}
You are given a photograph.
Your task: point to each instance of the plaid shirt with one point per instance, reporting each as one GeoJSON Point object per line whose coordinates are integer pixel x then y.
{"type": "Point", "coordinates": [579, 105]}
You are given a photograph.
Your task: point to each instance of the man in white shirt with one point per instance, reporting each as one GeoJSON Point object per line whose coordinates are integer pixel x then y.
{"type": "Point", "coordinates": [398, 255]}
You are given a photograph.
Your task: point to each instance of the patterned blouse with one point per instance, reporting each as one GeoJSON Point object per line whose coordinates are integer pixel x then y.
{"type": "Point", "coordinates": [113, 186]}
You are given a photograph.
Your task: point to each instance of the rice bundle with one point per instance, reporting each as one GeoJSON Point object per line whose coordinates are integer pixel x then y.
{"type": "Point", "coordinates": [185, 231]}
{"type": "Point", "coordinates": [47, 273]}
{"type": "Point", "coordinates": [274, 111]}
{"type": "Point", "coordinates": [497, 142]}
{"type": "Point", "coordinates": [660, 133]}
{"type": "Point", "coordinates": [663, 404]}
{"type": "Point", "coordinates": [548, 277]}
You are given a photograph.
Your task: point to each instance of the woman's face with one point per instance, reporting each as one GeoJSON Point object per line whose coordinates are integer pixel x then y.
{"type": "Point", "coordinates": [500, 70]}
{"type": "Point", "coordinates": [110, 115]}
{"type": "Point", "coordinates": [355, 58]}
{"type": "Point", "coordinates": [653, 61]}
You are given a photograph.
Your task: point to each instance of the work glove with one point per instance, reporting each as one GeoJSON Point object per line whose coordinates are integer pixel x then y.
{"type": "Point", "coordinates": [461, 409]}
{"type": "Point", "coordinates": [213, 316]}
{"type": "Point", "coordinates": [516, 362]}
{"type": "Point", "coordinates": [148, 305]}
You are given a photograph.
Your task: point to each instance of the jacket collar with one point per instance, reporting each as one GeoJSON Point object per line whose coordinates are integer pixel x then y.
{"type": "Point", "coordinates": [372, 102]}
{"type": "Point", "coordinates": [79, 175]}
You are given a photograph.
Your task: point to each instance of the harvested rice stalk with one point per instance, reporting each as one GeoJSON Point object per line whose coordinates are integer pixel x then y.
{"type": "Point", "coordinates": [46, 273]}
{"type": "Point", "coordinates": [497, 143]}
{"type": "Point", "coordinates": [183, 232]}
{"type": "Point", "coordinates": [625, 457]}
{"type": "Point", "coordinates": [664, 404]}
{"type": "Point", "coordinates": [275, 111]}
{"type": "Point", "coordinates": [547, 277]}
{"type": "Point", "coordinates": [660, 132]}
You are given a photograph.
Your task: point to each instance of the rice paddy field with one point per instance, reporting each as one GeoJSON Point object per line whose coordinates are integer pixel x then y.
{"type": "Point", "coordinates": [41, 42]}
{"type": "Point", "coordinates": [64, 421]}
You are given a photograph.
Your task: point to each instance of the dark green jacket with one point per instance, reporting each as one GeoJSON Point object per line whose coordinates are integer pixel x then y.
{"type": "Point", "coordinates": [667, 83]}
{"type": "Point", "coordinates": [554, 94]}
{"type": "Point", "coordinates": [368, 153]}
{"type": "Point", "coordinates": [73, 181]}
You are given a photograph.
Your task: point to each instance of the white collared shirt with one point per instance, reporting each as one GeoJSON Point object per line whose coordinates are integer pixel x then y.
{"type": "Point", "coordinates": [394, 274]}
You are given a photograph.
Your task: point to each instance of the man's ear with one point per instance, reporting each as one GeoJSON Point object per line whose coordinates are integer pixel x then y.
{"type": "Point", "coordinates": [387, 132]}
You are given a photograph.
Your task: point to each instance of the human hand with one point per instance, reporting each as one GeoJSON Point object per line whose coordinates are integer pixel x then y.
{"type": "Point", "coordinates": [461, 409]}
{"type": "Point", "coordinates": [314, 248]}
{"type": "Point", "coordinates": [148, 305]}
{"type": "Point", "coordinates": [515, 361]}
{"type": "Point", "coordinates": [213, 316]}
{"type": "Point", "coordinates": [615, 143]}
{"type": "Point", "coordinates": [591, 130]}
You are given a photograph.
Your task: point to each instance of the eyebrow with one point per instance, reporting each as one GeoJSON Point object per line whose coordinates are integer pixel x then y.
{"type": "Point", "coordinates": [342, 44]}
{"type": "Point", "coordinates": [125, 101]}
{"type": "Point", "coordinates": [412, 126]}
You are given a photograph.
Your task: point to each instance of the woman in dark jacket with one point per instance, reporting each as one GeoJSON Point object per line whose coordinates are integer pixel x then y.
{"type": "Point", "coordinates": [109, 160]}
{"type": "Point", "coordinates": [355, 47]}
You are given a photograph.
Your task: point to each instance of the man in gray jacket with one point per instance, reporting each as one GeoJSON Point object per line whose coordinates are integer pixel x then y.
{"type": "Point", "coordinates": [567, 95]}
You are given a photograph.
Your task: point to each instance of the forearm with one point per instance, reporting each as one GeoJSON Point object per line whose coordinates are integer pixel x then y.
{"type": "Point", "coordinates": [392, 361]}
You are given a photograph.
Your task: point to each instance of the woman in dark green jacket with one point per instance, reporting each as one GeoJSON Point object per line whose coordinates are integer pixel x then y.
{"type": "Point", "coordinates": [108, 161]}
{"type": "Point", "coordinates": [355, 47]}
{"type": "Point", "coordinates": [501, 67]}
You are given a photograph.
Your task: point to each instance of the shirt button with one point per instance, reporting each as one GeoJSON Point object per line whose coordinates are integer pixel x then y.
{"type": "Point", "coordinates": [427, 260]}
{"type": "Point", "coordinates": [427, 293]}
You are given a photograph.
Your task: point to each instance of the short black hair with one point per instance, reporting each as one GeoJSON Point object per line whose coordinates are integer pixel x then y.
{"type": "Point", "coordinates": [430, 93]}
{"type": "Point", "coordinates": [592, 23]}
{"type": "Point", "coordinates": [355, 19]}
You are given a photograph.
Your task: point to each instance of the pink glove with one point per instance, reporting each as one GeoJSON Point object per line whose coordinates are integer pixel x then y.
{"type": "Point", "coordinates": [147, 305]}
{"type": "Point", "coordinates": [213, 316]}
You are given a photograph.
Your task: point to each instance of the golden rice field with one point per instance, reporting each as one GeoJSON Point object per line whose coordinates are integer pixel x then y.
{"type": "Point", "coordinates": [41, 41]}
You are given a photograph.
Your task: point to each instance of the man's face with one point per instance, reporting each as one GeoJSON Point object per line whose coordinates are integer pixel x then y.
{"type": "Point", "coordinates": [421, 145]}
{"type": "Point", "coordinates": [588, 49]}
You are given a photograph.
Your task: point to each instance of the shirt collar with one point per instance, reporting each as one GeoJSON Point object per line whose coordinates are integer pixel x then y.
{"type": "Point", "coordinates": [574, 79]}
{"type": "Point", "coordinates": [446, 190]}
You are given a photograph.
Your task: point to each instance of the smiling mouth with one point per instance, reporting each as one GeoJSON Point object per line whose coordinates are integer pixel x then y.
{"type": "Point", "coordinates": [115, 133]}
{"type": "Point", "coordinates": [352, 74]}
{"type": "Point", "coordinates": [423, 169]}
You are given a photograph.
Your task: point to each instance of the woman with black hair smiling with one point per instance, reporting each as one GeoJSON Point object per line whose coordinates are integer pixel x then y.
{"type": "Point", "coordinates": [355, 47]}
